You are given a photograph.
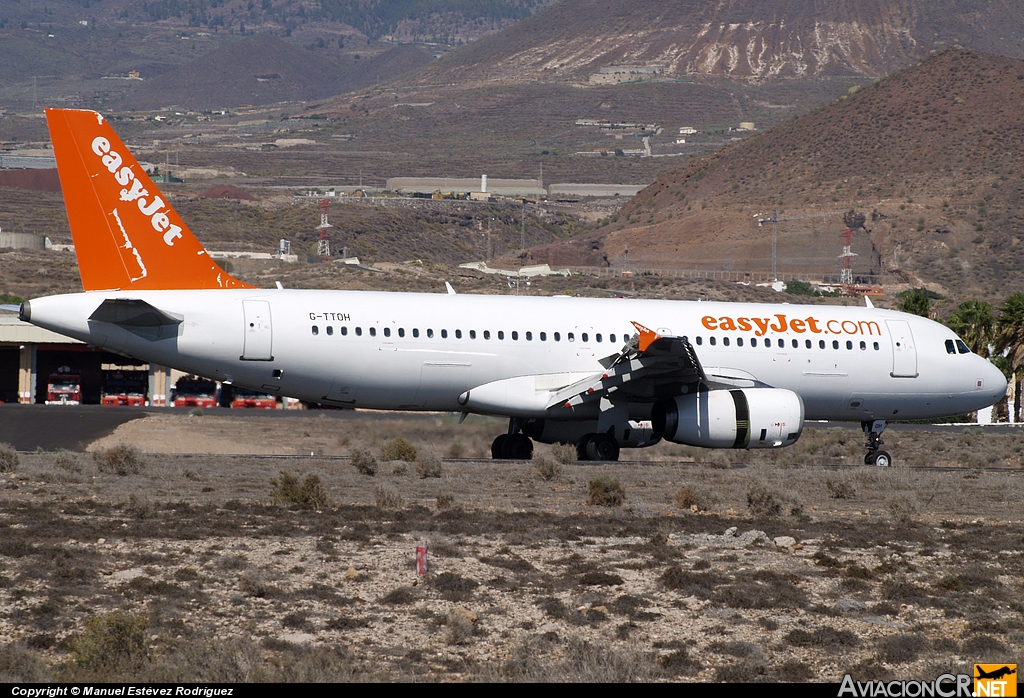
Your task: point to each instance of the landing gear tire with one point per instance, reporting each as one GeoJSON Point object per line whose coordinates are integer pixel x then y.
{"type": "Point", "coordinates": [518, 447]}
{"type": "Point", "coordinates": [583, 446]}
{"type": "Point", "coordinates": [498, 447]}
{"type": "Point", "coordinates": [880, 458]}
{"type": "Point", "coordinates": [602, 447]}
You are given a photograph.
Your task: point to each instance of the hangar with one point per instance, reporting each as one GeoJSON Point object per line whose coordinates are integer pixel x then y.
{"type": "Point", "coordinates": [30, 355]}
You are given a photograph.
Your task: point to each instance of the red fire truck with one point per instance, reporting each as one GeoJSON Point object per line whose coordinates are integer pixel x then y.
{"type": "Point", "coordinates": [125, 388]}
{"type": "Point", "coordinates": [253, 399]}
{"type": "Point", "coordinates": [192, 391]}
{"type": "Point", "coordinates": [64, 387]}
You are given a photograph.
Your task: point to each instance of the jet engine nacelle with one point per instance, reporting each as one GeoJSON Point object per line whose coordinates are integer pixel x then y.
{"type": "Point", "coordinates": [739, 418]}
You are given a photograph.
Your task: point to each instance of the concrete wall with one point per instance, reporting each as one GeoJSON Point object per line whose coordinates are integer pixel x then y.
{"type": "Point", "coordinates": [22, 241]}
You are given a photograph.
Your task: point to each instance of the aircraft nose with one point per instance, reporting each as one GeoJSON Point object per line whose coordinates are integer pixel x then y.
{"type": "Point", "coordinates": [995, 381]}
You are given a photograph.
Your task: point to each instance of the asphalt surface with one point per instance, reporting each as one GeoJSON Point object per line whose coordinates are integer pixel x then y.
{"type": "Point", "coordinates": [72, 428]}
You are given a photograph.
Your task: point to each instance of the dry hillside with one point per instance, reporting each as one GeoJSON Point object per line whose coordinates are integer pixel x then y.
{"type": "Point", "coordinates": [931, 155]}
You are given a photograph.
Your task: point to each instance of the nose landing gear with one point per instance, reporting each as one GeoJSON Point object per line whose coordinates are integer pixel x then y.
{"type": "Point", "coordinates": [514, 445]}
{"type": "Point", "coordinates": [875, 456]}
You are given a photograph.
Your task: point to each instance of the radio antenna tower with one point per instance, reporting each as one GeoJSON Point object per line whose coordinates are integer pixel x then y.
{"type": "Point", "coordinates": [846, 258]}
{"type": "Point", "coordinates": [323, 248]}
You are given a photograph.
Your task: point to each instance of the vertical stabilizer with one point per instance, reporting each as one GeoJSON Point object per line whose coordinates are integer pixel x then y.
{"type": "Point", "coordinates": [127, 236]}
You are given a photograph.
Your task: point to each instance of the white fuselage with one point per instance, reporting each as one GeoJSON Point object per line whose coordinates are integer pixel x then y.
{"type": "Point", "coordinates": [422, 351]}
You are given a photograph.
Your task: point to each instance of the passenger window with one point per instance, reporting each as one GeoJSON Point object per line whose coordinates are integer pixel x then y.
{"type": "Point", "coordinates": [807, 343]}
{"type": "Point", "coordinates": [863, 346]}
{"type": "Point", "coordinates": [782, 344]}
{"type": "Point", "coordinates": [472, 334]}
{"type": "Point", "coordinates": [515, 336]}
{"type": "Point", "coordinates": [430, 333]}
{"type": "Point", "coordinates": [711, 340]}
{"type": "Point", "coordinates": [699, 340]}
{"type": "Point", "coordinates": [821, 343]}
{"type": "Point", "coordinates": [753, 341]}
{"type": "Point", "coordinates": [962, 347]}
{"type": "Point", "coordinates": [387, 331]}
{"type": "Point", "coordinates": [796, 344]}
{"type": "Point", "coordinates": [444, 334]}
{"type": "Point", "coordinates": [543, 336]}
{"type": "Point", "coordinates": [725, 341]}
{"type": "Point", "coordinates": [344, 330]}
{"type": "Point", "coordinates": [597, 337]}
{"type": "Point", "coordinates": [558, 337]}
{"type": "Point", "coordinates": [373, 331]}
{"type": "Point", "coordinates": [876, 346]}
{"type": "Point", "coordinates": [487, 334]}
{"type": "Point", "coordinates": [316, 330]}
{"type": "Point", "coordinates": [611, 338]}
{"type": "Point", "coordinates": [529, 336]}
{"type": "Point", "coordinates": [401, 331]}
{"type": "Point", "coordinates": [415, 332]}
{"type": "Point", "coordinates": [835, 343]}
{"type": "Point", "coordinates": [584, 337]}
{"type": "Point", "coordinates": [849, 344]}
{"type": "Point", "coordinates": [501, 334]}
{"type": "Point", "coordinates": [458, 334]}
{"type": "Point", "coordinates": [739, 341]}
{"type": "Point", "coordinates": [950, 347]}
{"type": "Point", "coordinates": [570, 337]}
{"type": "Point", "coordinates": [330, 330]}
{"type": "Point", "coordinates": [359, 331]}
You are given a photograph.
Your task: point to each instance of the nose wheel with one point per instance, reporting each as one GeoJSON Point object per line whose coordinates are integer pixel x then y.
{"type": "Point", "coordinates": [875, 456]}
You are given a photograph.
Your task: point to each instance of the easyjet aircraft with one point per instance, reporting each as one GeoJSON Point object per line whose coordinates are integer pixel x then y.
{"type": "Point", "coordinates": [582, 371]}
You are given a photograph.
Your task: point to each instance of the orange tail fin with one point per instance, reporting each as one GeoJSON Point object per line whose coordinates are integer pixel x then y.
{"type": "Point", "coordinates": [126, 234]}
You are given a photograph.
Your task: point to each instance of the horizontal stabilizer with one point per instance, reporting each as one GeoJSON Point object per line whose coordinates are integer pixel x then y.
{"type": "Point", "coordinates": [138, 317]}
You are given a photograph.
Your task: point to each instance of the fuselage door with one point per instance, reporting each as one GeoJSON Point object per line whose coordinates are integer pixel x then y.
{"type": "Point", "coordinates": [904, 353]}
{"type": "Point", "coordinates": [259, 335]}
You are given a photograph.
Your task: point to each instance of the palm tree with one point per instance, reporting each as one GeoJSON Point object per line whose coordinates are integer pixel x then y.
{"type": "Point", "coordinates": [916, 302]}
{"type": "Point", "coordinates": [973, 322]}
{"type": "Point", "coordinates": [1010, 342]}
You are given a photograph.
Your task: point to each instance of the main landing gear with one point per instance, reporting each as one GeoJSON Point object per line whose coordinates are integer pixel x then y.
{"type": "Point", "coordinates": [875, 456]}
{"type": "Point", "coordinates": [512, 447]}
{"type": "Point", "coordinates": [597, 447]}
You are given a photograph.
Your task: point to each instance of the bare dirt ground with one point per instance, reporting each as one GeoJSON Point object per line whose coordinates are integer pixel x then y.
{"type": "Point", "coordinates": [789, 566]}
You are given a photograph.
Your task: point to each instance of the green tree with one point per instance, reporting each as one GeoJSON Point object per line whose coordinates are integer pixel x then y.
{"type": "Point", "coordinates": [1010, 342]}
{"type": "Point", "coordinates": [916, 302]}
{"type": "Point", "coordinates": [974, 322]}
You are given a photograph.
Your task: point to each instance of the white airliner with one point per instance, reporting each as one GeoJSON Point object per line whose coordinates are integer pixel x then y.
{"type": "Point", "coordinates": [582, 371]}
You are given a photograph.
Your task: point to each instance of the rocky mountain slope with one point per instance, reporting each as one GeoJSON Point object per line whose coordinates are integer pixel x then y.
{"type": "Point", "coordinates": [575, 39]}
{"type": "Point", "coordinates": [931, 155]}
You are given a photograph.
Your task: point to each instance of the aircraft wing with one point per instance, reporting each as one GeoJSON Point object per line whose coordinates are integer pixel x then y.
{"type": "Point", "coordinates": [648, 367]}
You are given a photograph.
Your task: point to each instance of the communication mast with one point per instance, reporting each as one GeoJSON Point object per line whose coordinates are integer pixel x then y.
{"type": "Point", "coordinates": [846, 258]}
{"type": "Point", "coordinates": [323, 248]}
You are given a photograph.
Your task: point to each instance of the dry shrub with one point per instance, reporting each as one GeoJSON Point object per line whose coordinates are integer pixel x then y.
{"type": "Point", "coordinates": [460, 628]}
{"type": "Point", "coordinates": [398, 449]}
{"type": "Point", "coordinates": [763, 502]}
{"type": "Point", "coordinates": [718, 460]}
{"type": "Point", "coordinates": [445, 501]}
{"type": "Point", "coordinates": [428, 465]}
{"type": "Point", "coordinates": [111, 645]}
{"type": "Point", "coordinates": [694, 498]}
{"type": "Point", "coordinates": [310, 494]}
{"type": "Point", "coordinates": [119, 460]}
{"type": "Point", "coordinates": [840, 489]}
{"type": "Point", "coordinates": [564, 453]}
{"type": "Point", "coordinates": [68, 462]}
{"type": "Point", "coordinates": [8, 458]}
{"type": "Point", "coordinates": [902, 508]}
{"type": "Point", "coordinates": [605, 491]}
{"type": "Point", "coordinates": [21, 664]}
{"type": "Point", "coordinates": [363, 461]}
{"type": "Point", "coordinates": [546, 468]}
{"type": "Point", "coordinates": [387, 498]}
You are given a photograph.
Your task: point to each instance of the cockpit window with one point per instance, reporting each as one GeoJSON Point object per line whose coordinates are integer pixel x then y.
{"type": "Point", "coordinates": [964, 349]}
{"type": "Point", "coordinates": [950, 347]}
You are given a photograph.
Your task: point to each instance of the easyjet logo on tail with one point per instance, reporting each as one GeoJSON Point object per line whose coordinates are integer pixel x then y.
{"type": "Point", "coordinates": [780, 323]}
{"type": "Point", "coordinates": [134, 191]}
